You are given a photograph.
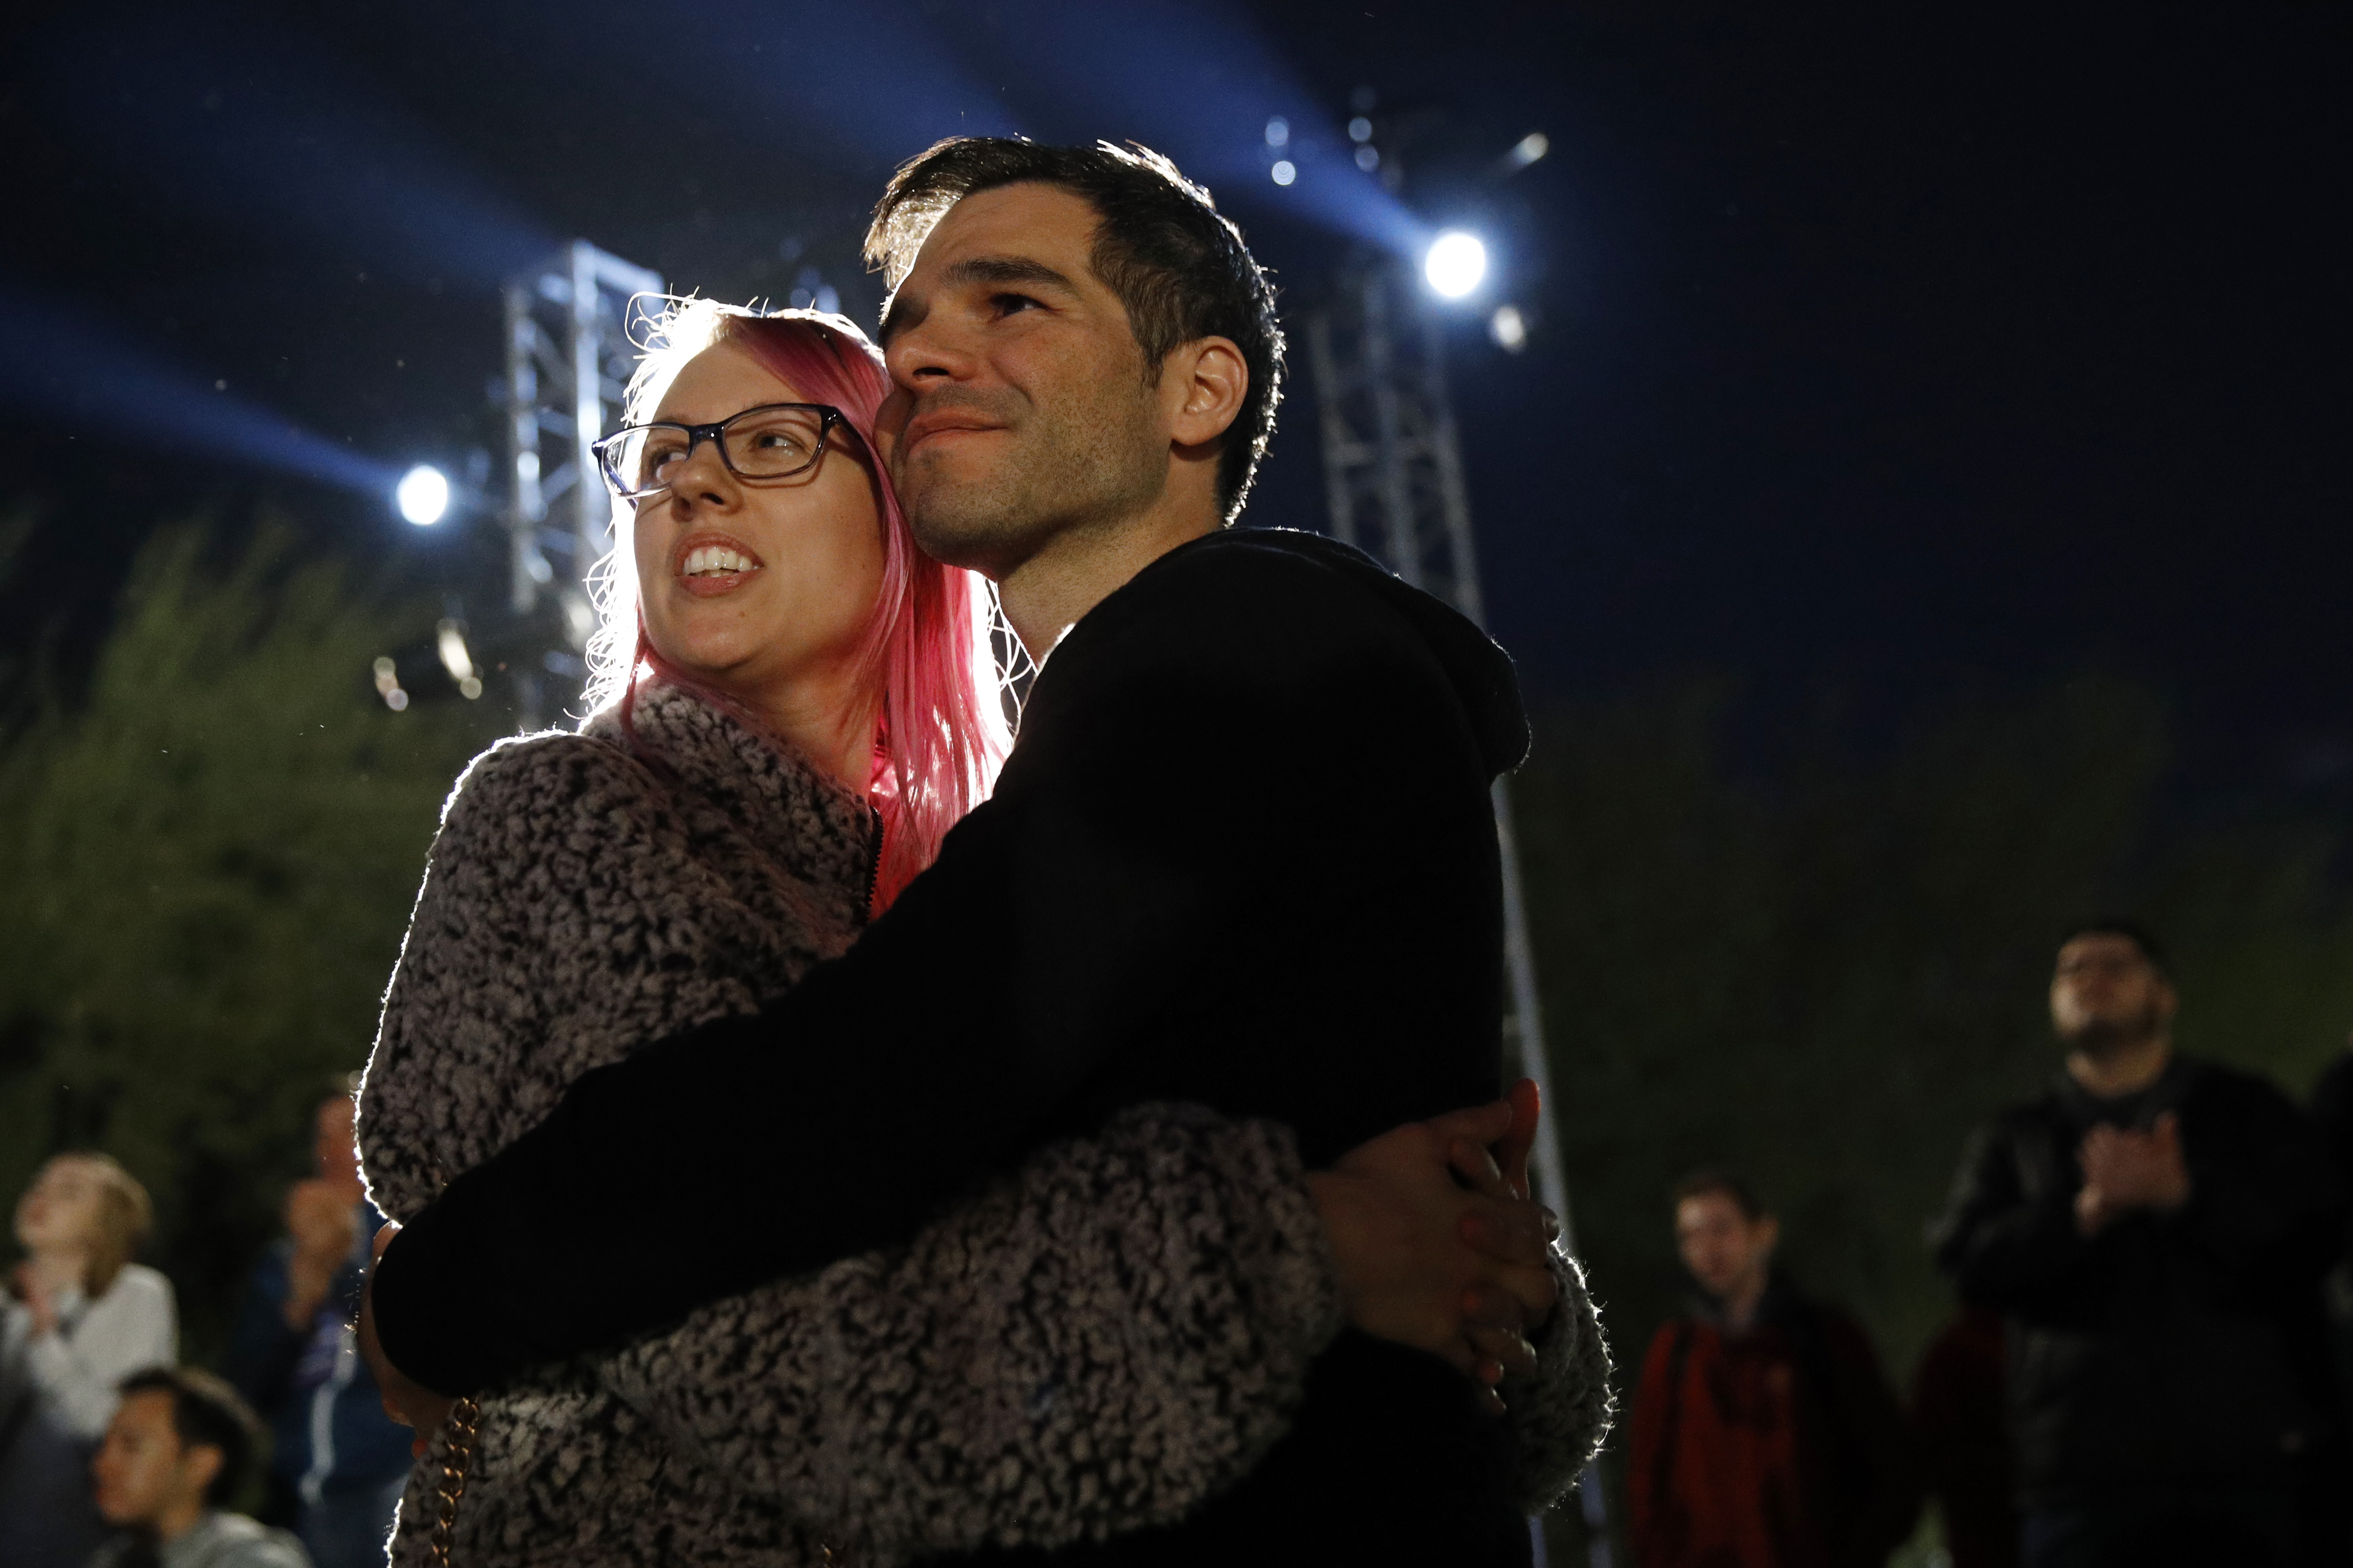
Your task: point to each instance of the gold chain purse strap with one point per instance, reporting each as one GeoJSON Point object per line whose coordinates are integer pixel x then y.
{"type": "Point", "coordinates": [457, 1458]}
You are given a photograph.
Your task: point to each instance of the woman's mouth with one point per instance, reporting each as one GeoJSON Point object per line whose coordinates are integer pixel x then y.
{"type": "Point", "coordinates": [709, 569]}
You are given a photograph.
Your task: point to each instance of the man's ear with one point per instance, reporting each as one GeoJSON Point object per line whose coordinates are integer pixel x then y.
{"type": "Point", "coordinates": [200, 1465]}
{"type": "Point", "coordinates": [1212, 378]}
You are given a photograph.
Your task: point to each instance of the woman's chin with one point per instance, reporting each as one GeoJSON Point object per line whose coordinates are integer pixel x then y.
{"type": "Point", "coordinates": [719, 661]}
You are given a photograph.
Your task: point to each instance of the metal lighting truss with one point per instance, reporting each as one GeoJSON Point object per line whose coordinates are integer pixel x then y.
{"type": "Point", "coordinates": [569, 357]}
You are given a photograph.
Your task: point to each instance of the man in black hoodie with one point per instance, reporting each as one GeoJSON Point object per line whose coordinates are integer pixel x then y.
{"type": "Point", "coordinates": [2153, 1227]}
{"type": "Point", "coordinates": [1242, 855]}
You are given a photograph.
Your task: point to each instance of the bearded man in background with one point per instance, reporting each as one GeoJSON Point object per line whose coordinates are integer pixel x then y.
{"type": "Point", "coordinates": [2154, 1228]}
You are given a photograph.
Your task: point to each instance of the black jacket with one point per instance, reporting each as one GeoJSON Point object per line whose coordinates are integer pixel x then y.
{"type": "Point", "coordinates": [2170, 1349]}
{"type": "Point", "coordinates": [1244, 856]}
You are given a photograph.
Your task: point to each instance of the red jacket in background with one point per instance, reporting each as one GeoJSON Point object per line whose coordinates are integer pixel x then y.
{"type": "Point", "coordinates": [1783, 1447]}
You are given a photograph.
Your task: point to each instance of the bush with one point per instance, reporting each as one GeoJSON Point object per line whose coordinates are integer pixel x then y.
{"type": "Point", "coordinates": [210, 861]}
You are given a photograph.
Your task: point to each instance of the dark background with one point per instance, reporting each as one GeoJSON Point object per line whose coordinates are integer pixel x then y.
{"type": "Point", "coordinates": [1874, 352]}
{"type": "Point", "coordinates": [1919, 511]}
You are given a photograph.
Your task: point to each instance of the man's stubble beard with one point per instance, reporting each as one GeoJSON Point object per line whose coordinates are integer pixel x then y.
{"type": "Point", "coordinates": [2101, 1038]}
{"type": "Point", "coordinates": [1061, 474]}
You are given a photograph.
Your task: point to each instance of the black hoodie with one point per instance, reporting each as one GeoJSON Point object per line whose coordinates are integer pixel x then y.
{"type": "Point", "coordinates": [1242, 855]}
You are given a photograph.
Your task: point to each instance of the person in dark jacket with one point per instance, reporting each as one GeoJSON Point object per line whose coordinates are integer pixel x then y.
{"type": "Point", "coordinates": [1765, 1433]}
{"type": "Point", "coordinates": [336, 1459]}
{"type": "Point", "coordinates": [2153, 1227]}
{"type": "Point", "coordinates": [1243, 855]}
{"type": "Point", "coordinates": [1960, 1421]}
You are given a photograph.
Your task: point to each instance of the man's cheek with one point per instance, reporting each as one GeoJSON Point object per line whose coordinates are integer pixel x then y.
{"type": "Point", "coordinates": [891, 424]}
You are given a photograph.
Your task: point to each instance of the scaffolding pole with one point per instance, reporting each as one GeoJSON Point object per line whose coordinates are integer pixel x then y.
{"type": "Point", "coordinates": [570, 350]}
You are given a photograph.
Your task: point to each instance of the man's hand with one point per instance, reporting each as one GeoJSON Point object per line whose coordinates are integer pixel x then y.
{"type": "Point", "coordinates": [39, 1305]}
{"type": "Point", "coordinates": [1510, 1152]}
{"type": "Point", "coordinates": [1502, 1172]}
{"type": "Point", "coordinates": [2124, 1171]}
{"type": "Point", "coordinates": [1424, 1262]}
{"type": "Point", "coordinates": [409, 1403]}
{"type": "Point", "coordinates": [323, 1223]}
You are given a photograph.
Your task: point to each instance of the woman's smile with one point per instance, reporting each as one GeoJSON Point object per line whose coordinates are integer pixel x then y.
{"type": "Point", "coordinates": [707, 564]}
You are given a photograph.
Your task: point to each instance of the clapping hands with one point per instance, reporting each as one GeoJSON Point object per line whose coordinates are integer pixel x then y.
{"type": "Point", "coordinates": [2126, 1170]}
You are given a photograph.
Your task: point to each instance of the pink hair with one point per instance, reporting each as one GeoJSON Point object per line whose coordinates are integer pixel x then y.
{"type": "Point", "coordinates": [941, 732]}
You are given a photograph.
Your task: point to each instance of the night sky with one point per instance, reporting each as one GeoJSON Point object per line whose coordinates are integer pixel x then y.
{"type": "Point", "coordinates": [1876, 357]}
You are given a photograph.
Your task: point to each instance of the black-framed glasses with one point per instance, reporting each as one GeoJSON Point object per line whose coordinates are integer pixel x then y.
{"type": "Point", "coordinates": [773, 441]}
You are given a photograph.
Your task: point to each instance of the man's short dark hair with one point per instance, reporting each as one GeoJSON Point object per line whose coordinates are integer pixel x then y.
{"type": "Point", "coordinates": [207, 1414]}
{"type": "Point", "coordinates": [1179, 267]}
{"type": "Point", "coordinates": [2132, 931]}
{"type": "Point", "coordinates": [1711, 1180]}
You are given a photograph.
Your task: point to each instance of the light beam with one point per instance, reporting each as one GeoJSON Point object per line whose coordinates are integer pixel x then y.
{"type": "Point", "coordinates": [72, 373]}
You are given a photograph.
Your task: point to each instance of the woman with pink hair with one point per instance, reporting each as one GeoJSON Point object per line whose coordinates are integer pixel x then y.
{"type": "Point", "coordinates": [791, 705]}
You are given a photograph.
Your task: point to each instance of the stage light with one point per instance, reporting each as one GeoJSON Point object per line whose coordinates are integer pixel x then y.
{"type": "Point", "coordinates": [450, 642]}
{"type": "Point", "coordinates": [1368, 159]}
{"type": "Point", "coordinates": [1455, 264]}
{"type": "Point", "coordinates": [423, 495]}
{"type": "Point", "coordinates": [387, 685]}
{"type": "Point", "coordinates": [1360, 129]}
{"type": "Point", "coordinates": [1509, 328]}
{"type": "Point", "coordinates": [1528, 149]}
{"type": "Point", "coordinates": [1278, 131]}
{"type": "Point", "coordinates": [1284, 172]}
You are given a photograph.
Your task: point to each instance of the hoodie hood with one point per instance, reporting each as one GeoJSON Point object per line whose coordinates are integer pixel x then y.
{"type": "Point", "coordinates": [1480, 672]}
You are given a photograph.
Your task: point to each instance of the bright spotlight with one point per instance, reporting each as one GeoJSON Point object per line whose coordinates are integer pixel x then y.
{"type": "Point", "coordinates": [1455, 264]}
{"type": "Point", "coordinates": [422, 495]}
{"type": "Point", "coordinates": [1284, 172]}
{"type": "Point", "coordinates": [1528, 149]}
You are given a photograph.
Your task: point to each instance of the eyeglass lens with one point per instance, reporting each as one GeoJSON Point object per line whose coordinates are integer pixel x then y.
{"type": "Point", "coordinates": [759, 444]}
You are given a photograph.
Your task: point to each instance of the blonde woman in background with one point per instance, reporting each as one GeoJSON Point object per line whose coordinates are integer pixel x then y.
{"type": "Point", "coordinates": [78, 1318]}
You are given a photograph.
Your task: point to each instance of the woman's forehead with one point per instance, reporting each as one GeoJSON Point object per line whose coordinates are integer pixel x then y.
{"type": "Point", "coordinates": [720, 383]}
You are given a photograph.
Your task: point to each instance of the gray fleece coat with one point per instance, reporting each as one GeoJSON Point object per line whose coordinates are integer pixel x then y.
{"type": "Point", "coordinates": [1116, 1333]}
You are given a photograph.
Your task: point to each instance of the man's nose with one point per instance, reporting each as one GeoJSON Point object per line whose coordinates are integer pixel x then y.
{"type": "Point", "coordinates": [925, 355]}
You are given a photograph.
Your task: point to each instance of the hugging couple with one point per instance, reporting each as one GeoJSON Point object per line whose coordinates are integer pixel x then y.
{"type": "Point", "coordinates": [818, 1134]}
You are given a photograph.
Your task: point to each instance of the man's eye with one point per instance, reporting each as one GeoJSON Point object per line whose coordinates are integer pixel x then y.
{"type": "Point", "coordinates": [1013, 304]}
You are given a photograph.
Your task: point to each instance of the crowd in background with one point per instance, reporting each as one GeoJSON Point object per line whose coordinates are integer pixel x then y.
{"type": "Point", "coordinates": [113, 1455]}
{"type": "Point", "coordinates": [2145, 1369]}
